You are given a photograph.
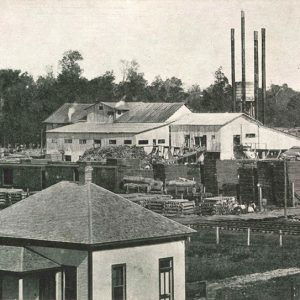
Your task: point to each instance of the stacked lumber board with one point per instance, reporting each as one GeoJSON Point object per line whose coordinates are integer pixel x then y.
{"type": "Point", "coordinates": [162, 204]}
{"type": "Point", "coordinates": [265, 179]}
{"type": "Point", "coordinates": [140, 183]}
{"type": "Point", "coordinates": [294, 176]}
{"type": "Point", "coordinates": [248, 183]}
{"type": "Point", "coordinates": [227, 176]}
{"type": "Point", "coordinates": [181, 186]}
{"type": "Point", "coordinates": [210, 176]}
{"type": "Point", "coordinates": [11, 196]}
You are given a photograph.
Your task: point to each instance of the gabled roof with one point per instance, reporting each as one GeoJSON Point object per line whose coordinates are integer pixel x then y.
{"type": "Point", "coordinates": [87, 127]}
{"type": "Point", "coordinates": [209, 119]}
{"type": "Point", "coordinates": [86, 215]}
{"type": "Point", "coordinates": [149, 112]}
{"type": "Point", "coordinates": [60, 116]}
{"type": "Point", "coordinates": [20, 259]}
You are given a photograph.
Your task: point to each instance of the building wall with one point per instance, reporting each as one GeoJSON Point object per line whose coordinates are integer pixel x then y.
{"type": "Point", "coordinates": [241, 126]}
{"type": "Point", "coordinates": [10, 288]}
{"type": "Point", "coordinates": [56, 142]}
{"type": "Point", "coordinates": [265, 138]}
{"type": "Point", "coordinates": [178, 133]}
{"type": "Point", "coordinates": [142, 270]}
{"type": "Point", "coordinates": [183, 110]}
{"type": "Point", "coordinates": [161, 133]}
{"type": "Point", "coordinates": [99, 116]}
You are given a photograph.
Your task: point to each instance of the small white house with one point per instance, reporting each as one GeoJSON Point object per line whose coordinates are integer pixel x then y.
{"type": "Point", "coordinates": [83, 242]}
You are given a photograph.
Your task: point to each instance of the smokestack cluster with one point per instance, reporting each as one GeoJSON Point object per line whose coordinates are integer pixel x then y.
{"type": "Point", "coordinates": [256, 108]}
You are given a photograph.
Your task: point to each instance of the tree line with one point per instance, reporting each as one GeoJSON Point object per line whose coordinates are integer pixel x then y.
{"type": "Point", "coordinates": [26, 102]}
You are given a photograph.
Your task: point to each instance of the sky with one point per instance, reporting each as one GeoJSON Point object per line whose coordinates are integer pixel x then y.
{"type": "Point", "coordinates": [183, 38]}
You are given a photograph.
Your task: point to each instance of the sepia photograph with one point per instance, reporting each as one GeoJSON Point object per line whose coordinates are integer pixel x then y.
{"type": "Point", "coordinates": [149, 150]}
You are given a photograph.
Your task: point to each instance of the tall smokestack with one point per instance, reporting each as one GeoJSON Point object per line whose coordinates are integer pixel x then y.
{"type": "Point", "coordinates": [243, 62]}
{"type": "Point", "coordinates": [256, 76]}
{"type": "Point", "coordinates": [233, 70]}
{"type": "Point", "coordinates": [263, 73]}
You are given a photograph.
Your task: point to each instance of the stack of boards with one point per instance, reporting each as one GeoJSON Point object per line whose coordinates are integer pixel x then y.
{"type": "Point", "coordinates": [163, 204]}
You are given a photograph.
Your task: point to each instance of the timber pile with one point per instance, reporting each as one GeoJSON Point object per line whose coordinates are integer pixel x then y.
{"type": "Point", "coordinates": [227, 177]}
{"type": "Point", "coordinates": [11, 196]}
{"type": "Point", "coordinates": [265, 179]}
{"type": "Point", "coordinates": [178, 207]}
{"type": "Point", "coordinates": [294, 176]}
{"type": "Point", "coordinates": [181, 186]}
{"type": "Point", "coordinates": [162, 204]}
{"type": "Point", "coordinates": [248, 183]}
{"type": "Point", "coordinates": [140, 183]}
{"type": "Point", "coordinates": [210, 176]}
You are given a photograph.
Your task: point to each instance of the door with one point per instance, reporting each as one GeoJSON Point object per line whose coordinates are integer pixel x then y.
{"type": "Point", "coordinates": [236, 140]}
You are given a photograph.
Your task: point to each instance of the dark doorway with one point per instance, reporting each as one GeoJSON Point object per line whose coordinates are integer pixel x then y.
{"type": "Point", "coordinates": [203, 141]}
{"type": "Point", "coordinates": [47, 286]}
{"type": "Point", "coordinates": [70, 283]}
{"type": "Point", "coordinates": [8, 177]}
{"type": "Point", "coordinates": [236, 140]}
{"type": "Point", "coordinates": [187, 139]}
{"type": "Point", "coordinates": [68, 158]}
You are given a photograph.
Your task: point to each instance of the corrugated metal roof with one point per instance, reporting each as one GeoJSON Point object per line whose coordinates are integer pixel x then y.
{"type": "Point", "coordinates": [60, 116]}
{"type": "Point", "coordinates": [87, 127]}
{"type": "Point", "coordinates": [84, 214]}
{"type": "Point", "coordinates": [218, 119]}
{"type": "Point", "coordinates": [149, 112]}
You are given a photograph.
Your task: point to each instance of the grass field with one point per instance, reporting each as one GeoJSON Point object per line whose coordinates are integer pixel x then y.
{"type": "Point", "coordinates": [208, 261]}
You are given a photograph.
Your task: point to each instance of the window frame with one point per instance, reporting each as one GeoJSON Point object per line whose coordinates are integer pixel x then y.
{"type": "Point", "coordinates": [161, 141]}
{"type": "Point", "coordinates": [124, 280]}
{"type": "Point", "coordinates": [250, 135]}
{"type": "Point", "coordinates": [127, 142]}
{"type": "Point", "coordinates": [143, 142]}
{"type": "Point", "coordinates": [82, 141]}
{"type": "Point", "coordinates": [112, 142]}
{"type": "Point", "coordinates": [68, 141]}
{"type": "Point", "coordinates": [171, 278]}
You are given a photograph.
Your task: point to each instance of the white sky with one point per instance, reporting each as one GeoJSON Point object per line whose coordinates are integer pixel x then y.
{"type": "Point", "coordinates": [184, 38]}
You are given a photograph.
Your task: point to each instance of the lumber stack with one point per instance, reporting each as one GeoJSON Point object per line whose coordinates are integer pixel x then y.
{"type": "Point", "coordinates": [178, 207]}
{"type": "Point", "coordinates": [210, 176]}
{"type": "Point", "coordinates": [11, 196]}
{"type": "Point", "coordinates": [248, 183]}
{"type": "Point", "coordinates": [294, 176]}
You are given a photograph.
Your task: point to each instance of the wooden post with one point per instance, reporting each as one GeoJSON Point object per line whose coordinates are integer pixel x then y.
{"type": "Point", "coordinates": [58, 285]}
{"type": "Point", "coordinates": [293, 194]}
{"type": "Point", "coordinates": [285, 189]}
{"type": "Point", "coordinates": [21, 291]}
{"type": "Point", "coordinates": [217, 235]}
{"type": "Point", "coordinates": [280, 238]}
{"type": "Point", "coordinates": [260, 197]}
{"type": "Point", "coordinates": [248, 236]}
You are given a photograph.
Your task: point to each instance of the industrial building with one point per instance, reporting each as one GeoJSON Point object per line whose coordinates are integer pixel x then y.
{"type": "Point", "coordinates": [74, 241]}
{"type": "Point", "coordinates": [221, 133]}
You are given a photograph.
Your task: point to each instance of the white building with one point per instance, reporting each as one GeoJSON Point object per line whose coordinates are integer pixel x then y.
{"type": "Point", "coordinates": [83, 242]}
{"type": "Point", "coordinates": [112, 123]}
{"type": "Point", "coordinates": [221, 132]}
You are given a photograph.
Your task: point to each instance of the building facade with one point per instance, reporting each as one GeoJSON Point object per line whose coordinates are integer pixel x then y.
{"type": "Point", "coordinates": [81, 242]}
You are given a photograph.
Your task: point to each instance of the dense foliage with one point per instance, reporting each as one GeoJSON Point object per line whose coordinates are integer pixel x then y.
{"type": "Point", "coordinates": [25, 102]}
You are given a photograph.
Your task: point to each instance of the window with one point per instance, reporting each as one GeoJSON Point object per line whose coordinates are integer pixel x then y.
{"type": "Point", "coordinates": [161, 141]}
{"type": "Point", "coordinates": [97, 142]}
{"type": "Point", "coordinates": [54, 141]}
{"type": "Point", "coordinates": [68, 141]}
{"type": "Point", "coordinates": [68, 158]}
{"type": "Point", "coordinates": [118, 280]}
{"type": "Point", "coordinates": [127, 142]}
{"type": "Point", "coordinates": [112, 142]}
{"type": "Point", "coordinates": [110, 113]}
{"type": "Point", "coordinates": [100, 107]}
{"type": "Point", "coordinates": [213, 137]}
{"type": "Point", "coordinates": [143, 142]}
{"type": "Point", "coordinates": [250, 135]}
{"type": "Point", "coordinates": [82, 142]}
{"type": "Point", "coordinates": [8, 177]}
{"type": "Point", "coordinates": [119, 112]}
{"type": "Point", "coordinates": [166, 280]}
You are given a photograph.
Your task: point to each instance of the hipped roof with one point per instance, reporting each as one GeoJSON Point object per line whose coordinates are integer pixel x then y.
{"type": "Point", "coordinates": [86, 215]}
{"type": "Point", "coordinates": [21, 259]}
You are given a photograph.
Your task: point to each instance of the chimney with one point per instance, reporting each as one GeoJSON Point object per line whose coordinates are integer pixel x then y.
{"type": "Point", "coordinates": [256, 76]}
{"type": "Point", "coordinates": [243, 62]}
{"type": "Point", "coordinates": [88, 174]}
{"type": "Point", "coordinates": [263, 73]}
{"type": "Point", "coordinates": [233, 70]}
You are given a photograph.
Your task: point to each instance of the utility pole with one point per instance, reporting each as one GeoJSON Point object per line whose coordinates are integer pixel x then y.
{"type": "Point", "coordinates": [233, 70]}
{"type": "Point", "coordinates": [243, 62]}
{"type": "Point", "coordinates": [285, 189]}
